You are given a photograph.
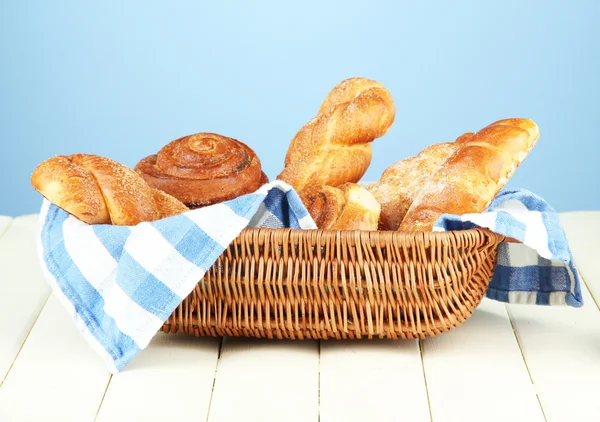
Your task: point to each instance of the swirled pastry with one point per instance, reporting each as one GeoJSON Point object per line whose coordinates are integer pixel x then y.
{"type": "Point", "coordinates": [203, 169]}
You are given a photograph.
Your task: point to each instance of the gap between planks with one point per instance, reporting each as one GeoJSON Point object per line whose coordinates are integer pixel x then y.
{"type": "Point", "coordinates": [214, 378]}
{"type": "Point", "coordinates": [425, 380]}
{"type": "Point", "coordinates": [23, 290]}
{"type": "Point", "coordinates": [590, 290]}
{"type": "Point", "coordinates": [587, 285]}
{"type": "Point", "coordinates": [5, 223]}
{"type": "Point", "coordinates": [319, 383]}
{"type": "Point", "coordinates": [525, 361]}
{"type": "Point", "coordinates": [25, 340]}
{"type": "Point", "coordinates": [103, 396]}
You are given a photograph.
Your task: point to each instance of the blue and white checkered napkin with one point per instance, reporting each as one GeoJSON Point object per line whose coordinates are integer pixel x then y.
{"type": "Point", "coordinates": [121, 283]}
{"type": "Point", "coordinates": [540, 270]}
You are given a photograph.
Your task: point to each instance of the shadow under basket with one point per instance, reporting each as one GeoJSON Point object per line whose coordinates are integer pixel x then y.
{"type": "Point", "coordinates": [320, 284]}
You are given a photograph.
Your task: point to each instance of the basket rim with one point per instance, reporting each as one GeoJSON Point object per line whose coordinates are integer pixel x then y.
{"type": "Point", "coordinates": [399, 235]}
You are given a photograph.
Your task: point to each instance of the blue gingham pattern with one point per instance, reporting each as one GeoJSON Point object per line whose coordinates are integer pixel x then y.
{"type": "Point", "coordinates": [120, 283]}
{"type": "Point", "coordinates": [540, 270]}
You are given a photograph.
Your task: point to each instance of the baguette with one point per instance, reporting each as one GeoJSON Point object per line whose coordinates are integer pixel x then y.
{"type": "Point", "coordinates": [401, 182]}
{"type": "Point", "coordinates": [470, 178]}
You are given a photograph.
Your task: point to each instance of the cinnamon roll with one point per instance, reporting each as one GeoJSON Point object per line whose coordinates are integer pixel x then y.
{"type": "Point", "coordinates": [203, 169]}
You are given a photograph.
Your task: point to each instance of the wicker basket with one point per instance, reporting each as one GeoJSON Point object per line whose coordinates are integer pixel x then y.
{"type": "Point", "coordinates": [302, 284]}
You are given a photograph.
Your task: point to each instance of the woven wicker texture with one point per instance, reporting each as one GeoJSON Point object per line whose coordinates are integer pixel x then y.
{"type": "Point", "coordinates": [298, 284]}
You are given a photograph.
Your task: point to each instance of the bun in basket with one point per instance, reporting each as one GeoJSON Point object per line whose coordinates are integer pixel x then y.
{"type": "Point", "coordinates": [470, 178]}
{"type": "Point", "coordinates": [203, 169]}
{"type": "Point", "coordinates": [334, 147]}
{"type": "Point", "coordinates": [347, 207]}
{"type": "Point", "coordinates": [98, 190]}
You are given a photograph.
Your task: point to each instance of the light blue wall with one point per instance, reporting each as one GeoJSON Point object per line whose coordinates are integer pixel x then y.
{"type": "Point", "coordinates": [123, 78]}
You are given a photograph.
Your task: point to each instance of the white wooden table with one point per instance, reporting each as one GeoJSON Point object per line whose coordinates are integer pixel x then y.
{"type": "Point", "coordinates": [506, 363]}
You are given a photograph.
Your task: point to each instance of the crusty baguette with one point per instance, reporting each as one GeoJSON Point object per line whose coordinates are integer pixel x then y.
{"type": "Point", "coordinates": [98, 190]}
{"type": "Point", "coordinates": [346, 207]}
{"type": "Point", "coordinates": [470, 178]}
{"type": "Point", "coordinates": [334, 147]}
{"type": "Point", "coordinates": [401, 182]}
{"type": "Point", "coordinates": [203, 169]}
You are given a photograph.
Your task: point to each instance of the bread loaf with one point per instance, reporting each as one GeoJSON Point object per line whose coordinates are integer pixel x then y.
{"type": "Point", "coordinates": [334, 147]}
{"type": "Point", "coordinates": [401, 182]}
{"type": "Point", "coordinates": [203, 169]}
{"type": "Point", "coordinates": [98, 190]}
{"type": "Point", "coordinates": [469, 179]}
{"type": "Point", "coordinates": [347, 207]}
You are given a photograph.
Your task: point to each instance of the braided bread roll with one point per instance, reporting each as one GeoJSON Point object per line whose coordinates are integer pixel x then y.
{"type": "Point", "coordinates": [98, 190]}
{"type": "Point", "coordinates": [334, 147]}
{"type": "Point", "coordinates": [203, 169]}
{"type": "Point", "coordinates": [347, 207]}
{"type": "Point", "coordinates": [471, 177]}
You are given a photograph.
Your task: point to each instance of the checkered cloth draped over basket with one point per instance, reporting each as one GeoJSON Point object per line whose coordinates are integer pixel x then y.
{"type": "Point", "coordinates": [120, 284]}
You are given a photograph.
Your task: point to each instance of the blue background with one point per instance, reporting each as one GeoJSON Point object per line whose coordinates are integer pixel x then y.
{"type": "Point", "coordinates": [123, 78]}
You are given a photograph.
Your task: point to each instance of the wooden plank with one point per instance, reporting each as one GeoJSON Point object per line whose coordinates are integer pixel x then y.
{"type": "Point", "coordinates": [372, 380]}
{"type": "Point", "coordinates": [172, 379]}
{"type": "Point", "coordinates": [476, 372]}
{"type": "Point", "coordinates": [266, 380]}
{"type": "Point", "coordinates": [561, 348]}
{"type": "Point", "coordinates": [23, 290]}
{"type": "Point", "coordinates": [57, 375]}
{"type": "Point", "coordinates": [561, 345]}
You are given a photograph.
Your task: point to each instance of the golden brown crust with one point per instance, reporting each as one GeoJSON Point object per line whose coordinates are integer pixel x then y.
{"type": "Point", "coordinates": [167, 205]}
{"type": "Point", "coordinates": [401, 182]}
{"type": "Point", "coordinates": [361, 212]}
{"type": "Point", "coordinates": [334, 147]}
{"type": "Point", "coordinates": [347, 207]}
{"type": "Point", "coordinates": [128, 199]}
{"type": "Point", "coordinates": [463, 138]}
{"type": "Point", "coordinates": [472, 176]}
{"type": "Point", "coordinates": [203, 169]}
{"type": "Point", "coordinates": [264, 179]}
{"type": "Point", "coordinates": [98, 190]}
{"type": "Point", "coordinates": [324, 203]}
{"type": "Point", "coordinates": [72, 188]}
